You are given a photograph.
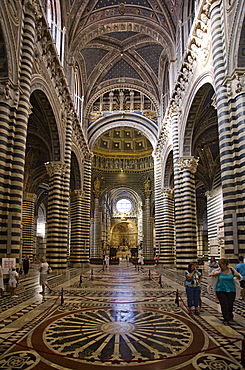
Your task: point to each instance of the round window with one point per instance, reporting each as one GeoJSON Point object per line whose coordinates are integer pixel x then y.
{"type": "Point", "coordinates": [124, 205]}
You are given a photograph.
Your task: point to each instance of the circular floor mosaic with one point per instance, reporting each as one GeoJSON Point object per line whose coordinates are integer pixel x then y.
{"type": "Point", "coordinates": [111, 335]}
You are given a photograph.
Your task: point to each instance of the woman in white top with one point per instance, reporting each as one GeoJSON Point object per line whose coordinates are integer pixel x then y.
{"type": "Point", "coordinates": [43, 269]}
{"type": "Point", "coordinates": [13, 281]}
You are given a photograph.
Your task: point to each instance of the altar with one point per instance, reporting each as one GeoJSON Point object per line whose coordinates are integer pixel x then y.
{"type": "Point", "coordinates": [123, 252]}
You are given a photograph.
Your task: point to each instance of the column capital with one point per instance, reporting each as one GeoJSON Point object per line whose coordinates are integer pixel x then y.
{"type": "Point", "coordinates": [77, 195]}
{"type": "Point", "coordinates": [33, 6]}
{"type": "Point", "coordinates": [235, 83]}
{"type": "Point", "coordinates": [56, 168]}
{"type": "Point", "coordinates": [188, 163]}
{"type": "Point", "coordinates": [31, 197]}
{"type": "Point", "coordinates": [167, 192]}
{"type": "Point", "coordinates": [9, 93]}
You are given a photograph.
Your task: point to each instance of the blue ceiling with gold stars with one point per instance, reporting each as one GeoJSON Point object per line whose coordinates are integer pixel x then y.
{"type": "Point", "coordinates": [105, 3]}
{"type": "Point", "coordinates": [121, 69]}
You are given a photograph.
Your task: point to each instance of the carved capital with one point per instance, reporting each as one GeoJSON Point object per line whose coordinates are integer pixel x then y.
{"type": "Point", "coordinates": [235, 83]}
{"type": "Point", "coordinates": [167, 192]}
{"type": "Point", "coordinates": [77, 195]}
{"type": "Point", "coordinates": [56, 168]}
{"type": "Point", "coordinates": [30, 197]}
{"type": "Point", "coordinates": [188, 163]}
{"type": "Point", "coordinates": [9, 93]}
{"type": "Point", "coordinates": [33, 6]}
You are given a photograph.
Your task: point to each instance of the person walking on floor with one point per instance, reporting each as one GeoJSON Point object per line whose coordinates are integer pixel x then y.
{"type": "Point", "coordinates": [43, 269]}
{"type": "Point", "coordinates": [192, 286]}
{"type": "Point", "coordinates": [240, 268]}
{"type": "Point", "coordinates": [13, 281]}
{"type": "Point", "coordinates": [26, 265]}
{"type": "Point", "coordinates": [225, 289]}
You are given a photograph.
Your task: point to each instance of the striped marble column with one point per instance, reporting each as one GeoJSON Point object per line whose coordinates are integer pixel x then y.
{"type": "Point", "coordinates": [158, 206]}
{"type": "Point", "coordinates": [28, 220]}
{"type": "Point", "coordinates": [67, 176]}
{"type": "Point", "coordinates": [57, 238]}
{"type": "Point", "coordinates": [188, 251]}
{"type": "Point", "coordinates": [167, 251]}
{"type": "Point", "coordinates": [96, 250]}
{"type": "Point", "coordinates": [77, 243]}
{"type": "Point", "coordinates": [178, 197]}
{"type": "Point", "coordinates": [85, 224]}
{"type": "Point", "coordinates": [14, 122]}
{"type": "Point", "coordinates": [230, 99]}
{"type": "Point", "coordinates": [147, 232]}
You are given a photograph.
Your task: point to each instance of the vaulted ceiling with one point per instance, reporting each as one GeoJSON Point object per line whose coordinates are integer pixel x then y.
{"type": "Point", "coordinates": [126, 42]}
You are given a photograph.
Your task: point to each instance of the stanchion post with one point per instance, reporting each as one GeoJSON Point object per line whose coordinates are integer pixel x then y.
{"type": "Point", "coordinates": [92, 274]}
{"type": "Point", "coordinates": [160, 280]}
{"type": "Point", "coordinates": [62, 297]}
{"type": "Point", "coordinates": [177, 298]}
{"type": "Point", "coordinates": [243, 353]}
{"type": "Point", "coordinates": [149, 274]}
{"type": "Point", "coordinates": [81, 280]}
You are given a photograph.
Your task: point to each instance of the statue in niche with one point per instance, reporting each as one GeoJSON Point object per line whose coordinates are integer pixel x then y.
{"type": "Point", "coordinates": [97, 184]}
{"type": "Point", "coordinates": [147, 184]}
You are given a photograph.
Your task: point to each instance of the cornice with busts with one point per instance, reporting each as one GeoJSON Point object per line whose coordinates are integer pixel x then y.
{"type": "Point", "coordinates": [235, 83]}
{"type": "Point", "coordinates": [196, 41]}
{"type": "Point", "coordinates": [188, 163]}
{"type": "Point", "coordinates": [45, 53]}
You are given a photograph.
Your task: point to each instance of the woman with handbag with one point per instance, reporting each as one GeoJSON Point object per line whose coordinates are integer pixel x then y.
{"type": "Point", "coordinates": [225, 289]}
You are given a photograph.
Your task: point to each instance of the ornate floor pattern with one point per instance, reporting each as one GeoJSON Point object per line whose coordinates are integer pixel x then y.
{"type": "Point", "coordinates": [116, 319]}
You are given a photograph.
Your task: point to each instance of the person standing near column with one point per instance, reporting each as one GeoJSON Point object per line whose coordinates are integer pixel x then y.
{"type": "Point", "coordinates": [192, 286]}
{"type": "Point", "coordinates": [225, 289]}
{"type": "Point", "coordinates": [107, 261]}
{"type": "Point", "coordinates": [240, 268]}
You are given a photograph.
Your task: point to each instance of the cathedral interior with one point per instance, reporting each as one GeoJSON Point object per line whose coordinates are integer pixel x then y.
{"type": "Point", "coordinates": [122, 135]}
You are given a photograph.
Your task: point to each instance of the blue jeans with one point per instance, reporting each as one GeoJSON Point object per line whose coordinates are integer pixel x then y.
{"type": "Point", "coordinates": [193, 294]}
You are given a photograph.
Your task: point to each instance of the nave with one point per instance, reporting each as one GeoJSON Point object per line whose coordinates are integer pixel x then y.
{"type": "Point", "coordinates": [121, 317]}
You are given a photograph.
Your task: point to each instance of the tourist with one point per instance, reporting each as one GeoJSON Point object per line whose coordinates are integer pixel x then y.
{"type": "Point", "coordinates": [141, 261]}
{"type": "Point", "coordinates": [212, 264]}
{"type": "Point", "coordinates": [240, 268]}
{"type": "Point", "coordinates": [192, 286]}
{"type": "Point", "coordinates": [43, 269]}
{"type": "Point", "coordinates": [225, 289]}
{"type": "Point", "coordinates": [26, 265]}
{"type": "Point", "coordinates": [13, 281]}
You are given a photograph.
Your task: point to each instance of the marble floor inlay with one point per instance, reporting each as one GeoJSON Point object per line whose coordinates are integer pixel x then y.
{"type": "Point", "coordinates": [116, 319]}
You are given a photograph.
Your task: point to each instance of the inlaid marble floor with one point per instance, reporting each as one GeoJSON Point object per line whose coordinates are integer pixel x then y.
{"type": "Point", "coordinates": [118, 318]}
